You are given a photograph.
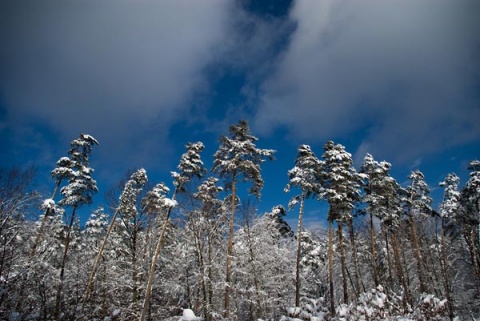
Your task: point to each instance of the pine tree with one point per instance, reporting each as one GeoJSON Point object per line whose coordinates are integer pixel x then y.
{"type": "Point", "coordinates": [448, 210]}
{"type": "Point", "coordinates": [126, 207]}
{"type": "Point", "coordinates": [418, 205]}
{"type": "Point", "coordinates": [238, 159]}
{"type": "Point", "coordinates": [470, 218]}
{"type": "Point", "coordinates": [340, 187]}
{"type": "Point", "coordinates": [206, 225]}
{"type": "Point", "coordinates": [79, 191]}
{"type": "Point", "coordinates": [305, 176]}
{"type": "Point", "coordinates": [190, 166]}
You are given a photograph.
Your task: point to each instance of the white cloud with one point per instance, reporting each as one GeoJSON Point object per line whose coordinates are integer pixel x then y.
{"type": "Point", "coordinates": [400, 70]}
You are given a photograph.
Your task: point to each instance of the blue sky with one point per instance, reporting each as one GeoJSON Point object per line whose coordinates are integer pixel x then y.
{"type": "Point", "coordinates": [397, 79]}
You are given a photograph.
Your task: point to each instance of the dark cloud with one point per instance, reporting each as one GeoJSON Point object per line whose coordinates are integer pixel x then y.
{"type": "Point", "coordinates": [400, 71]}
{"type": "Point", "coordinates": [117, 69]}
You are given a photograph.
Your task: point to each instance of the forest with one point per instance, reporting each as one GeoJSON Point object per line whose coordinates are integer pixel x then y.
{"type": "Point", "coordinates": [201, 251]}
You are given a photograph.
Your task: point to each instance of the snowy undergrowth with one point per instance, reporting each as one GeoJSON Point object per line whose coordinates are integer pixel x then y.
{"type": "Point", "coordinates": [373, 305]}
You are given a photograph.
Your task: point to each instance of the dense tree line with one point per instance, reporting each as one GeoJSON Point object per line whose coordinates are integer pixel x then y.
{"type": "Point", "coordinates": [387, 253]}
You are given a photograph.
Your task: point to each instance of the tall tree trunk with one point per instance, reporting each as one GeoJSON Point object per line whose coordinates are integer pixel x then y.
{"type": "Point", "coordinates": [148, 291]}
{"type": "Point", "coordinates": [201, 267]}
{"type": "Point", "coordinates": [342, 261]}
{"type": "Point", "coordinates": [418, 254]}
{"type": "Point", "coordinates": [399, 270]}
{"type": "Point", "coordinates": [374, 252]}
{"type": "Point", "coordinates": [445, 273]}
{"type": "Point", "coordinates": [358, 282]}
{"type": "Point", "coordinates": [330, 266]}
{"type": "Point", "coordinates": [255, 272]}
{"type": "Point", "coordinates": [299, 251]}
{"type": "Point", "coordinates": [209, 281]}
{"type": "Point", "coordinates": [469, 235]}
{"type": "Point", "coordinates": [58, 297]}
{"type": "Point", "coordinates": [134, 267]}
{"type": "Point", "coordinates": [230, 248]}
{"type": "Point", "coordinates": [91, 278]}
{"type": "Point", "coordinates": [389, 260]}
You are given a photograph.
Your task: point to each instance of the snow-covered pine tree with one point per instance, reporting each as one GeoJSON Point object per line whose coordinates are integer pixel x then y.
{"type": "Point", "coordinates": [238, 159]}
{"type": "Point", "coordinates": [383, 197]}
{"type": "Point", "coordinates": [377, 185]}
{"type": "Point", "coordinates": [79, 191]}
{"type": "Point", "coordinates": [277, 225]}
{"type": "Point", "coordinates": [191, 165]}
{"type": "Point", "coordinates": [207, 226]}
{"type": "Point", "coordinates": [340, 187]}
{"type": "Point", "coordinates": [448, 210]}
{"type": "Point", "coordinates": [470, 218]}
{"type": "Point", "coordinates": [306, 176]}
{"type": "Point", "coordinates": [127, 208]}
{"type": "Point", "coordinates": [418, 204]}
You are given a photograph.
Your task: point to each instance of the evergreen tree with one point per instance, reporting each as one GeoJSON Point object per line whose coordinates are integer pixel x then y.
{"type": "Point", "coordinates": [305, 176]}
{"type": "Point", "coordinates": [190, 166]}
{"type": "Point", "coordinates": [79, 191]}
{"type": "Point", "coordinates": [470, 218]}
{"type": "Point", "coordinates": [238, 159]}
{"type": "Point", "coordinates": [418, 204]}
{"type": "Point", "coordinates": [448, 211]}
{"type": "Point", "coordinates": [340, 187]}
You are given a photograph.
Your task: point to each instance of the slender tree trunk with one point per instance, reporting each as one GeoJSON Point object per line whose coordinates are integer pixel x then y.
{"type": "Point", "coordinates": [374, 252]}
{"type": "Point", "coordinates": [330, 266]}
{"type": "Point", "coordinates": [58, 297]}
{"type": "Point", "coordinates": [230, 249]}
{"type": "Point", "coordinates": [44, 221]}
{"type": "Point", "coordinates": [389, 260]}
{"type": "Point", "coordinates": [470, 240]}
{"type": "Point", "coordinates": [445, 272]}
{"type": "Point", "coordinates": [399, 270]}
{"type": "Point", "coordinates": [134, 267]}
{"type": "Point", "coordinates": [342, 261]}
{"type": "Point", "coordinates": [418, 254]}
{"type": "Point", "coordinates": [255, 272]}
{"type": "Point", "coordinates": [201, 267]}
{"type": "Point", "coordinates": [209, 281]}
{"type": "Point", "coordinates": [358, 282]}
{"type": "Point", "coordinates": [148, 291]}
{"type": "Point", "coordinates": [91, 278]}
{"type": "Point", "coordinates": [299, 251]}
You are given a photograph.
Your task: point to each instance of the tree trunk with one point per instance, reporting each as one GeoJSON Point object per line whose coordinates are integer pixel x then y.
{"type": "Point", "coordinates": [358, 282]}
{"type": "Point", "coordinates": [445, 272]}
{"type": "Point", "coordinates": [62, 267]}
{"type": "Point", "coordinates": [134, 266]}
{"type": "Point", "coordinates": [342, 261]}
{"type": "Point", "coordinates": [330, 266]}
{"type": "Point", "coordinates": [148, 291]}
{"type": "Point", "coordinates": [91, 278]}
{"type": "Point", "coordinates": [389, 260]}
{"type": "Point", "coordinates": [469, 235]}
{"type": "Point", "coordinates": [418, 254]}
{"type": "Point", "coordinates": [374, 252]}
{"type": "Point", "coordinates": [299, 250]}
{"type": "Point", "coordinates": [399, 270]}
{"type": "Point", "coordinates": [230, 249]}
